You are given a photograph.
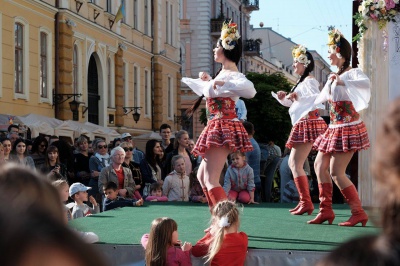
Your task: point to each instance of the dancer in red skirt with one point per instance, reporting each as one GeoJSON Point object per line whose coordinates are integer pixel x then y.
{"type": "Point", "coordinates": [307, 124]}
{"type": "Point", "coordinates": [347, 92]}
{"type": "Point", "coordinates": [224, 132]}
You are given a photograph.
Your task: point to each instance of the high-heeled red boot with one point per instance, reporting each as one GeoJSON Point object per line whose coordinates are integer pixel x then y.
{"type": "Point", "coordinates": [209, 201]}
{"type": "Point", "coordinates": [305, 204]}
{"type": "Point", "coordinates": [325, 207]}
{"type": "Point", "coordinates": [217, 194]}
{"type": "Point", "coordinates": [358, 215]}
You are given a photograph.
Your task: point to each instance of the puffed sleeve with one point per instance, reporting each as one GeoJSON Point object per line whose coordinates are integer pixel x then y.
{"type": "Point", "coordinates": [236, 85]}
{"type": "Point", "coordinates": [324, 95]}
{"type": "Point", "coordinates": [285, 102]}
{"type": "Point", "coordinates": [358, 88]}
{"type": "Point", "coordinates": [197, 85]}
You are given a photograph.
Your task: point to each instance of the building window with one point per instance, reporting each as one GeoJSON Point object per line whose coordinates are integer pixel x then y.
{"type": "Point", "coordinates": [146, 17]}
{"type": "Point", "coordinates": [167, 23]}
{"type": "Point", "coordinates": [123, 20]}
{"type": "Point", "coordinates": [43, 66]}
{"type": "Point", "coordinates": [136, 86]}
{"type": "Point", "coordinates": [135, 15]}
{"type": "Point", "coordinates": [75, 69]}
{"type": "Point", "coordinates": [108, 6]}
{"type": "Point", "coordinates": [19, 58]}
{"type": "Point", "coordinates": [147, 92]}
{"type": "Point", "coordinates": [125, 78]}
{"type": "Point", "coordinates": [109, 83]}
{"type": "Point", "coordinates": [170, 98]}
{"type": "Point", "coordinates": [171, 24]}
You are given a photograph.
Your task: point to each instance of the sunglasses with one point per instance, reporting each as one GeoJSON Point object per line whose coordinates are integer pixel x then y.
{"type": "Point", "coordinates": [43, 145]}
{"type": "Point", "coordinates": [127, 138]}
{"type": "Point", "coordinates": [128, 149]}
{"type": "Point", "coordinates": [102, 146]}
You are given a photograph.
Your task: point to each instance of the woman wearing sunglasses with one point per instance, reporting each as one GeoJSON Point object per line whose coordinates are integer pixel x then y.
{"type": "Point", "coordinates": [135, 169]}
{"type": "Point", "coordinates": [97, 162]}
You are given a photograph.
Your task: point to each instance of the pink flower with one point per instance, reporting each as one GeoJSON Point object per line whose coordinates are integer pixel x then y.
{"type": "Point", "coordinates": [390, 4]}
{"type": "Point", "coordinates": [372, 15]}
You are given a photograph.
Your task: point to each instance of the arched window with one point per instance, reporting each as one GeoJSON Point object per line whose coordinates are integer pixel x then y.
{"type": "Point", "coordinates": [75, 70]}
{"type": "Point", "coordinates": [19, 58]}
{"type": "Point", "coordinates": [44, 67]}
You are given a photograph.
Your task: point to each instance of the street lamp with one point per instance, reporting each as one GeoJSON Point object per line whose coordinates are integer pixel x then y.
{"type": "Point", "coordinates": [58, 98]}
{"type": "Point", "coordinates": [134, 109]}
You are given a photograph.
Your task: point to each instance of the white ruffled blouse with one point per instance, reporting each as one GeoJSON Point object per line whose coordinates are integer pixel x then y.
{"type": "Point", "coordinates": [236, 85]}
{"type": "Point", "coordinates": [356, 89]}
{"type": "Point", "coordinates": [307, 91]}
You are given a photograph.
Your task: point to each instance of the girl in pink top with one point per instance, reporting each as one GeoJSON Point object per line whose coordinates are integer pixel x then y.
{"type": "Point", "coordinates": [162, 245]}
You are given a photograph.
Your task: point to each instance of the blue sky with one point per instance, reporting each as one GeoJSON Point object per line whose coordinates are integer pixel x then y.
{"type": "Point", "coordinates": [305, 21]}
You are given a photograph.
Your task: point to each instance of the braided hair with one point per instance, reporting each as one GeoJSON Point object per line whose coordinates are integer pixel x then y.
{"type": "Point", "coordinates": [345, 51]}
{"type": "Point", "coordinates": [307, 71]}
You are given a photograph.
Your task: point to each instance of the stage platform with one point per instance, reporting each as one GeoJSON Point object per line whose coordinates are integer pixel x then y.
{"type": "Point", "coordinates": [275, 236]}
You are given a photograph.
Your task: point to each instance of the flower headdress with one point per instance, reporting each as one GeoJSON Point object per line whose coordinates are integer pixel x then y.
{"type": "Point", "coordinates": [334, 42]}
{"type": "Point", "coordinates": [299, 55]}
{"type": "Point", "coordinates": [229, 35]}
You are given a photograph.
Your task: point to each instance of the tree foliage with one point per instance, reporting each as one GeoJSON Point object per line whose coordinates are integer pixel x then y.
{"type": "Point", "coordinates": [271, 120]}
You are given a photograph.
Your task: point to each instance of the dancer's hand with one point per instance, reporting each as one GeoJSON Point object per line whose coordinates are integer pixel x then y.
{"type": "Point", "coordinates": [281, 95]}
{"type": "Point", "coordinates": [292, 96]}
{"type": "Point", "coordinates": [204, 76]}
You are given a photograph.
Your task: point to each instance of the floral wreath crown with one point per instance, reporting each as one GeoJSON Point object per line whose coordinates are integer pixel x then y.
{"type": "Point", "coordinates": [334, 42]}
{"type": "Point", "coordinates": [299, 55]}
{"type": "Point", "coordinates": [229, 35]}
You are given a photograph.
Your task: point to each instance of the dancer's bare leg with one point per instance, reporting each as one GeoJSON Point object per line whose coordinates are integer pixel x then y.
{"type": "Point", "coordinates": [213, 163]}
{"type": "Point", "coordinates": [338, 165]}
{"type": "Point", "coordinates": [321, 167]}
{"type": "Point", "coordinates": [297, 157]}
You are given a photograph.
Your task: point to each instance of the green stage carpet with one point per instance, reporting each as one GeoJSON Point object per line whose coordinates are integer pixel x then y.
{"type": "Point", "coordinates": [268, 225]}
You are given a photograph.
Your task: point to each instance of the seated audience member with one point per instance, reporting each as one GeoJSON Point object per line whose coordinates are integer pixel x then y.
{"type": "Point", "coordinates": [176, 184]}
{"type": "Point", "coordinates": [290, 193]}
{"type": "Point", "coordinates": [115, 172]}
{"type": "Point", "coordinates": [181, 147]}
{"type": "Point", "coordinates": [97, 162]}
{"type": "Point", "coordinates": [52, 166]}
{"type": "Point", "coordinates": [239, 179]}
{"type": "Point", "coordinates": [196, 193]}
{"type": "Point", "coordinates": [2, 159]}
{"type": "Point", "coordinates": [78, 193]}
{"type": "Point", "coordinates": [150, 166]}
{"type": "Point", "coordinates": [38, 151]}
{"type": "Point", "coordinates": [166, 142]}
{"type": "Point", "coordinates": [63, 190]}
{"type": "Point", "coordinates": [20, 154]}
{"type": "Point", "coordinates": [7, 148]}
{"type": "Point", "coordinates": [113, 201]}
{"type": "Point", "coordinates": [81, 161]}
{"type": "Point", "coordinates": [156, 193]}
{"type": "Point", "coordinates": [135, 168]}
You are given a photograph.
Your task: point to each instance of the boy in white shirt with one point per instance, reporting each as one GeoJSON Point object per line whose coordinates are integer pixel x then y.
{"type": "Point", "coordinates": [78, 192]}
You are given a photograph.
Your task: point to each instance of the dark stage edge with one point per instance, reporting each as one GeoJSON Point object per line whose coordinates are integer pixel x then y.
{"type": "Point", "coordinates": [275, 236]}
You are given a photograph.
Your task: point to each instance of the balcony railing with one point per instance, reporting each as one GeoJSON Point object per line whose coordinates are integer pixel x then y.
{"type": "Point", "coordinates": [252, 47]}
{"type": "Point", "coordinates": [251, 5]}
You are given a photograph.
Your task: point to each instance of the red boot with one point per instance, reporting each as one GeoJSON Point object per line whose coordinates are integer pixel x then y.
{"type": "Point", "coordinates": [217, 194]}
{"type": "Point", "coordinates": [209, 201]}
{"type": "Point", "coordinates": [358, 215]}
{"type": "Point", "coordinates": [325, 207]}
{"type": "Point", "coordinates": [305, 204]}
{"type": "Point", "coordinates": [295, 208]}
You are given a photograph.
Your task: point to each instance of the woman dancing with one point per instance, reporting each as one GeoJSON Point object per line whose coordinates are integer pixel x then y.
{"type": "Point", "coordinates": [224, 132]}
{"type": "Point", "coordinates": [306, 121]}
{"type": "Point", "coordinates": [348, 92]}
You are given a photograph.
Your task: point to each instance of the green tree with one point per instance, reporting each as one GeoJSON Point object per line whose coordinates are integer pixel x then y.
{"type": "Point", "coordinates": [271, 119]}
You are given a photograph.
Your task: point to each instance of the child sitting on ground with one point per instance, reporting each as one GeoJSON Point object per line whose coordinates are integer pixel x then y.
{"type": "Point", "coordinates": [63, 189]}
{"type": "Point", "coordinates": [223, 244]}
{"type": "Point", "coordinates": [78, 193]}
{"type": "Point", "coordinates": [162, 245]}
{"type": "Point", "coordinates": [156, 193]}
{"type": "Point", "coordinates": [239, 179]}
{"type": "Point", "coordinates": [196, 191]}
{"type": "Point", "coordinates": [176, 184]}
{"type": "Point", "coordinates": [113, 201]}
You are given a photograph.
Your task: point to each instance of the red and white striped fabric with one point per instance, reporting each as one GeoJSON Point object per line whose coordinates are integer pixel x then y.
{"type": "Point", "coordinates": [305, 131]}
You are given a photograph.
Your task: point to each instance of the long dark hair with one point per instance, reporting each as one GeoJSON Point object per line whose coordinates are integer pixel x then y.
{"type": "Point", "coordinates": [233, 55]}
{"type": "Point", "coordinates": [345, 51]}
{"type": "Point", "coordinates": [307, 71]}
{"type": "Point", "coordinates": [150, 156]}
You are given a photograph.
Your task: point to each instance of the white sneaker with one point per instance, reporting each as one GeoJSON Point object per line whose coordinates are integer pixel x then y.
{"type": "Point", "coordinates": [89, 237]}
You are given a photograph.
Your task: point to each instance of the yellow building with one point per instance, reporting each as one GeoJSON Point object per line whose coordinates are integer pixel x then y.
{"type": "Point", "coordinates": [73, 50]}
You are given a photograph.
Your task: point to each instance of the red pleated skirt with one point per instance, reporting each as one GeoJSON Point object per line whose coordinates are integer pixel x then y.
{"type": "Point", "coordinates": [343, 138]}
{"type": "Point", "coordinates": [223, 133]}
{"type": "Point", "coordinates": [306, 130]}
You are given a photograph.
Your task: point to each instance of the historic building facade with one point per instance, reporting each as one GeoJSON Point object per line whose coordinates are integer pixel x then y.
{"type": "Point", "coordinates": [63, 48]}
